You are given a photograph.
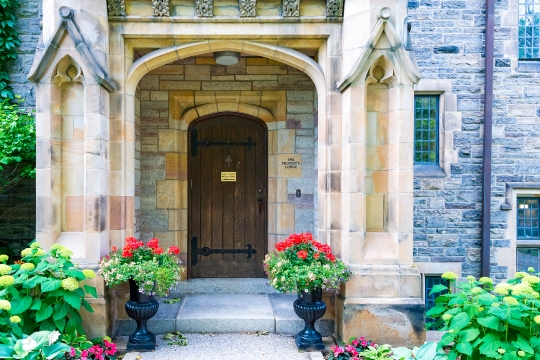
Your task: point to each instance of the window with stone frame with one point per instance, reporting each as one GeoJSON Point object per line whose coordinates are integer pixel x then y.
{"type": "Point", "coordinates": [528, 228]}
{"type": "Point", "coordinates": [528, 218]}
{"type": "Point", "coordinates": [529, 30]}
{"type": "Point", "coordinates": [426, 129]}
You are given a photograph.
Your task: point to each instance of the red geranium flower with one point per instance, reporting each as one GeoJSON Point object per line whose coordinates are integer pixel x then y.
{"type": "Point", "coordinates": [316, 255]}
{"type": "Point", "coordinates": [302, 254]}
{"type": "Point", "coordinates": [114, 248]}
{"type": "Point", "coordinates": [158, 251]}
{"type": "Point", "coordinates": [173, 250]}
{"type": "Point", "coordinates": [153, 243]}
{"type": "Point", "coordinates": [127, 253]}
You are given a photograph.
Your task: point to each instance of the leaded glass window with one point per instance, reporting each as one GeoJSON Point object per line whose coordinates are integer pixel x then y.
{"type": "Point", "coordinates": [526, 258]}
{"type": "Point", "coordinates": [528, 218]}
{"type": "Point", "coordinates": [529, 29]}
{"type": "Point", "coordinates": [426, 129]}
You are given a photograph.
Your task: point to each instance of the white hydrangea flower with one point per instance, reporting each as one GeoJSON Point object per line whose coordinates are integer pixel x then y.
{"type": "Point", "coordinates": [29, 344]}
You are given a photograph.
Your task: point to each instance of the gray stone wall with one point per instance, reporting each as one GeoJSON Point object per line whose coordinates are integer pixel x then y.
{"type": "Point", "coordinates": [448, 37]}
{"type": "Point", "coordinates": [28, 26]}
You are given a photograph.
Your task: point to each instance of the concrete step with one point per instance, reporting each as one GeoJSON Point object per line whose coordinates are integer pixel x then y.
{"type": "Point", "coordinates": [229, 313]}
{"type": "Point", "coordinates": [224, 286]}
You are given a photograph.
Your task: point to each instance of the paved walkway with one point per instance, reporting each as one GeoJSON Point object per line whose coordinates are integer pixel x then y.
{"type": "Point", "coordinates": [226, 347]}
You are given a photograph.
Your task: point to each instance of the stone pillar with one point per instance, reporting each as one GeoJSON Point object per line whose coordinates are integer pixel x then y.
{"type": "Point", "coordinates": [70, 70]}
{"type": "Point", "coordinates": [382, 301]}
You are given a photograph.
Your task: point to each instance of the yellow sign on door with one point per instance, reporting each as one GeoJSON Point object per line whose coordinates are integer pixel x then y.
{"type": "Point", "coordinates": [228, 176]}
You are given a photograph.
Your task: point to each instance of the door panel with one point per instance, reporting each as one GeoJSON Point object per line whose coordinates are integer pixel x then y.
{"type": "Point", "coordinates": [229, 218]}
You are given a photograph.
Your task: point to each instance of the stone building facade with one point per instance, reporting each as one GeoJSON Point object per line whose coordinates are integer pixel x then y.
{"type": "Point", "coordinates": [306, 69]}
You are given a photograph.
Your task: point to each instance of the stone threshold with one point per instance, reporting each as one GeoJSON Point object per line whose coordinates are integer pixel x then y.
{"type": "Point", "coordinates": [228, 313]}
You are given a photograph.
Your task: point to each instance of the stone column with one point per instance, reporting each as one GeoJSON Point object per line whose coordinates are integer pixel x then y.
{"type": "Point", "coordinates": [70, 69]}
{"type": "Point", "coordinates": [382, 301]}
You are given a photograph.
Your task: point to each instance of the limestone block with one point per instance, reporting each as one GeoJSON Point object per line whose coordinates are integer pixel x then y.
{"type": "Point", "coordinates": [197, 72]}
{"type": "Point", "coordinates": [73, 213]}
{"type": "Point", "coordinates": [376, 208]}
{"type": "Point", "coordinates": [171, 194]}
{"type": "Point", "coordinates": [169, 140]}
{"type": "Point", "coordinates": [97, 323]}
{"type": "Point", "coordinates": [178, 219]}
{"type": "Point", "coordinates": [286, 141]}
{"type": "Point", "coordinates": [176, 166]}
{"type": "Point", "coordinates": [285, 218]}
{"type": "Point", "coordinates": [179, 85]}
{"type": "Point", "coordinates": [380, 245]}
{"type": "Point", "coordinates": [398, 321]}
{"type": "Point", "coordinates": [226, 85]}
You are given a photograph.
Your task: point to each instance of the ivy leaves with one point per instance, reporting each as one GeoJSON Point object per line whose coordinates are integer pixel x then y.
{"type": "Point", "coordinates": [9, 41]}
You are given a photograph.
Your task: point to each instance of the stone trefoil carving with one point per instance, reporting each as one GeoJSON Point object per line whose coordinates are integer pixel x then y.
{"type": "Point", "coordinates": [334, 8]}
{"type": "Point", "coordinates": [116, 8]}
{"type": "Point", "coordinates": [204, 8]}
{"type": "Point", "coordinates": [291, 8]}
{"type": "Point", "coordinates": [160, 8]}
{"type": "Point", "coordinates": [248, 8]}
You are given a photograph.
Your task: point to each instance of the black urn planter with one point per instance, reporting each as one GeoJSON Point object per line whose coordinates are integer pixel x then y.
{"type": "Point", "coordinates": [309, 307]}
{"type": "Point", "coordinates": [140, 308]}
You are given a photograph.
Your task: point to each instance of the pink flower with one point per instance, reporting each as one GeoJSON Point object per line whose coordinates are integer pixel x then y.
{"type": "Point", "coordinates": [350, 349]}
{"type": "Point", "coordinates": [355, 342]}
{"type": "Point", "coordinates": [72, 351]}
{"type": "Point", "coordinates": [84, 353]}
{"type": "Point", "coordinates": [336, 350]}
{"type": "Point", "coordinates": [364, 343]}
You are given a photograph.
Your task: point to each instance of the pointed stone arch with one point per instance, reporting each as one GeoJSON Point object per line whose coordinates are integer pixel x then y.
{"type": "Point", "coordinates": [45, 52]}
{"type": "Point", "coordinates": [166, 55]}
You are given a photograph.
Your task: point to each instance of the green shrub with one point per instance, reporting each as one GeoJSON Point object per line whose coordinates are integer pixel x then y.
{"type": "Point", "coordinates": [486, 322]}
{"type": "Point", "coordinates": [42, 292]}
{"type": "Point", "coordinates": [17, 144]}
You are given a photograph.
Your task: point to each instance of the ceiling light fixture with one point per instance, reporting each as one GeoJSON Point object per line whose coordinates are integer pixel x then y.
{"type": "Point", "coordinates": [227, 57]}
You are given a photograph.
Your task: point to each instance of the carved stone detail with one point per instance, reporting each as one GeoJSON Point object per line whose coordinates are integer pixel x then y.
{"type": "Point", "coordinates": [248, 8]}
{"type": "Point", "coordinates": [67, 71]}
{"type": "Point", "coordinates": [116, 8]}
{"type": "Point", "coordinates": [334, 8]}
{"type": "Point", "coordinates": [204, 8]}
{"type": "Point", "coordinates": [291, 8]}
{"type": "Point", "coordinates": [160, 8]}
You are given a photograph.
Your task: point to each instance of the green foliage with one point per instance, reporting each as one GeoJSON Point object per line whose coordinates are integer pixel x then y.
{"type": "Point", "coordinates": [154, 271]}
{"type": "Point", "coordinates": [9, 41]}
{"type": "Point", "coordinates": [486, 322]}
{"type": "Point", "coordinates": [40, 345]}
{"type": "Point", "coordinates": [301, 264]}
{"type": "Point", "coordinates": [428, 351]}
{"type": "Point", "coordinates": [381, 352]}
{"type": "Point", "coordinates": [17, 144]}
{"type": "Point", "coordinates": [42, 292]}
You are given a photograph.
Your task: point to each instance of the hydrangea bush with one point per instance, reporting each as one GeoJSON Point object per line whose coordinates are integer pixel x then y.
{"type": "Point", "coordinates": [483, 321]}
{"type": "Point", "coordinates": [301, 264]}
{"type": "Point", "coordinates": [42, 291]}
{"type": "Point", "coordinates": [154, 270]}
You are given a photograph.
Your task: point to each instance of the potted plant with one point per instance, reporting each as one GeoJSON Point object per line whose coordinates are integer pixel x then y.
{"type": "Point", "coordinates": [300, 264]}
{"type": "Point", "coordinates": [150, 271]}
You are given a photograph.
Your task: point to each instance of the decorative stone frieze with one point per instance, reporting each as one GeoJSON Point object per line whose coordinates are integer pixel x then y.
{"type": "Point", "coordinates": [116, 8]}
{"type": "Point", "coordinates": [291, 8]}
{"type": "Point", "coordinates": [248, 8]}
{"type": "Point", "coordinates": [334, 8]}
{"type": "Point", "coordinates": [205, 8]}
{"type": "Point", "coordinates": [160, 8]}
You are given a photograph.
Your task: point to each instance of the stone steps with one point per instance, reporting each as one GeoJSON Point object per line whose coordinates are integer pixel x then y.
{"type": "Point", "coordinates": [255, 307]}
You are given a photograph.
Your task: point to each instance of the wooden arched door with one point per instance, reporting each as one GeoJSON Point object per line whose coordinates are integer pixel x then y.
{"type": "Point", "coordinates": [228, 177]}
